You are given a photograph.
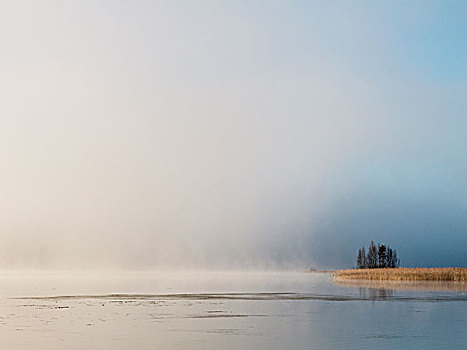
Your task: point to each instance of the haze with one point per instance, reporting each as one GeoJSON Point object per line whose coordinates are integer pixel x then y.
{"type": "Point", "coordinates": [156, 134]}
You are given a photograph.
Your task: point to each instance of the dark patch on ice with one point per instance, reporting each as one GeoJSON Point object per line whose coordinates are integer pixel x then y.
{"type": "Point", "coordinates": [129, 298]}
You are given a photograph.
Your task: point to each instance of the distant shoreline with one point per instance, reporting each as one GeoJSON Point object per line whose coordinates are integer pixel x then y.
{"type": "Point", "coordinates": [320, 271]}
{"type": "Point", "coordinates": [404, 274]}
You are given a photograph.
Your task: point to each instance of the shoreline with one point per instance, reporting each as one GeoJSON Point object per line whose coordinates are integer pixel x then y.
{"type": "Point", "coordinates": [458, 274]}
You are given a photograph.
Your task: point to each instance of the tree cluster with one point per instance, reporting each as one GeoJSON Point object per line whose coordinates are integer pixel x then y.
{"type": "Point", "coordinates": [380, 256]}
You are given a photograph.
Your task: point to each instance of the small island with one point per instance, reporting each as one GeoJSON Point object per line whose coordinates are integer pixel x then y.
{"type": "Point", "coordinates": [381, 263]}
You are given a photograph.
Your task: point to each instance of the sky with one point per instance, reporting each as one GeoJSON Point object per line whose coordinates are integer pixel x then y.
{"type": "Point", "coordinates": [231, 134]}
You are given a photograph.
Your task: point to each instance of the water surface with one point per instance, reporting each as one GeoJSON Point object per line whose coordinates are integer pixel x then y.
{"type": "Point", "coordinates": [226, 310]}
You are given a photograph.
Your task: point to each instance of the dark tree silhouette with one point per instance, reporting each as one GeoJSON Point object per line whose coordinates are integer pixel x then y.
{"type": "Point", "coordinates": [381, 256]}
{"type": "Point", "coordinates": [382, 262]}
{"type": "Point", "coordinates": [372, 257]}
{"type": "Point", "coordinates": [361, 259]}
{"type": "Point", "coordinates": [365, 260]}
{"type": "Point", "coordinates": [392, 259]}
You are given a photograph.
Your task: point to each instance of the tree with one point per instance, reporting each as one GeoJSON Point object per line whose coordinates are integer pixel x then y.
{"type": "Point", "coordinates": [382, 258]}
{"type": "Point", "coordinates": [392, 259]}
{"type": "Point", "coordinates": [365, 260]}
{"type": "Point", "coordinates": [361, 258]}
{"type": "Point", "coordinates": [372, 257]}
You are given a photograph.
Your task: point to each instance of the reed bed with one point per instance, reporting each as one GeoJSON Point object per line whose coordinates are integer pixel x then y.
{"type": "Point", "coordinates": [405, 274]}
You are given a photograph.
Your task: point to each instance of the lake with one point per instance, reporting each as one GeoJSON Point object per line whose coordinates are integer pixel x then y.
{"type": "Point", "coordinates": [226, 310]}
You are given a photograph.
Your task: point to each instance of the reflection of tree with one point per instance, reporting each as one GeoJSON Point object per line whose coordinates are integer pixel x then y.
{"type": "Point", "coordinates": [376, 293]}
{"type": "Point", "coordinates": [448, 286]}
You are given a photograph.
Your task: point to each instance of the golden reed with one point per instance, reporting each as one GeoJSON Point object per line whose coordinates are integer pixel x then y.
{"type": "Point", "coordinates": [405, 274]}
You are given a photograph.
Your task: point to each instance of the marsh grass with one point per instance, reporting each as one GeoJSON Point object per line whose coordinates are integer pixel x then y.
{"type": "Point", "coordinates": [405, 274]}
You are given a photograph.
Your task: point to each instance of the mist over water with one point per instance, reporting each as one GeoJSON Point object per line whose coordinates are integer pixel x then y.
{"type": "Point", "coordinates": [279, 136]}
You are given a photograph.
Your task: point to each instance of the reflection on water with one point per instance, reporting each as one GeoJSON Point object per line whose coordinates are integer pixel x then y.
{"type": "Point", "coordinates": [391, 290]}
{"type": "Point", "coordinates": [376, 293]}
{"type": "Point", "coordinates": [224, 311]}
{"type": "Point", "coordinates": [446, 286]}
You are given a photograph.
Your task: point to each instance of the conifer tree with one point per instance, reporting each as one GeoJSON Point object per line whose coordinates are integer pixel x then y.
{"type": "Point", "coordinates": [361, 258]}
{"type": "Point", "coordinates": [382, 262]}
{"type": "Point", "coordinates": [372, 257]}
{"type": "Point", "coordinates": [392, 259]}
{"type": "Point", "coordinates": [365, 260]}
{"type": "Point", "coordinates": [381, 256]}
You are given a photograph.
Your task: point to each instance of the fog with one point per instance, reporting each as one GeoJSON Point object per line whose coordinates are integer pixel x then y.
{"type": "Point", "coordinates": [216, 135]}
